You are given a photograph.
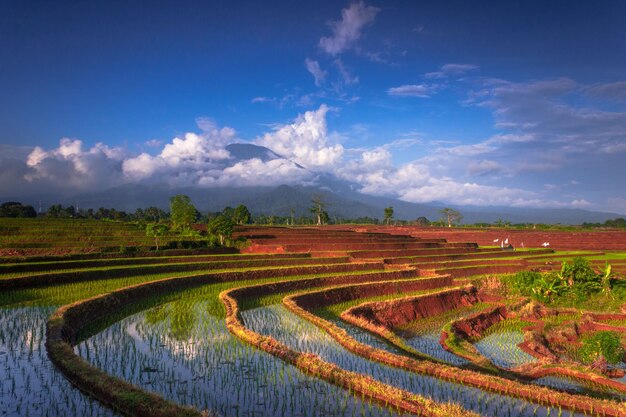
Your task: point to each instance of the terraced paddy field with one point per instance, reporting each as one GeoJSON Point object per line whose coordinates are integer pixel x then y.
{"type": "Point", "coordinates": [306, 322]}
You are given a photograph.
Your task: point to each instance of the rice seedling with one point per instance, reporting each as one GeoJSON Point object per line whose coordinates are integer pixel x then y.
{"type": "Point", "coordinates": [183, 351]}
{"type": "Point", "coordinates": [301, 335]}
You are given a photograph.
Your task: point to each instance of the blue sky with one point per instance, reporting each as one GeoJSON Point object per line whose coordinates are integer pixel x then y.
{"type": "Point", "coordinates": [482, 103]}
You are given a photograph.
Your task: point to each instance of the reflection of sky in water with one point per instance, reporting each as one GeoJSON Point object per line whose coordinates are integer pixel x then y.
{"type": "Point", "coordinates": [287, 327]}
{"type": "Point", "coordinates": [30, 385]}
{"type": "Point", "coordinates": [502, 350]}
{"type": "Point", "coordinates": [428, 343]}
{"type": "Point", "coordinates": [208, 368]}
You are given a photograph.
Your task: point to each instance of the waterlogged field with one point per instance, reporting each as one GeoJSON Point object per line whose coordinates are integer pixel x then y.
{"type": "Point", "coordinates": [170, 331]}
{"type": "Point", "coordinates": [303, 336]}
{"type": "Point", "coordinates": [183, 352]}
{"type": "Point", "coordinates": [30, 385]}
{"type": "Point", "coordinates": [501, 348]}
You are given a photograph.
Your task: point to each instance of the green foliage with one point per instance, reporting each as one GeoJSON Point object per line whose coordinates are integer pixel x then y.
{"type": "Point", "coordinates": [450, 216]}
{"type": "Point", "coordinates": [388, 214]}
{"type": "Point", "coordinates": [222, 226]}
{"type": "Point", "coordinates": [523, 282]}
{"type": "Point", "coordinates": [156, 230]}
{"type": "Point", "coordinates": [603, 343]}
{"type": "Point", "coordinates": [15, 209]}
{"type": "Point", "coordinates": [619, 222]}
{"type": "Point", "coordinates": [422, 221]}
{"type": "Point", "coordinates": [318, 208]}
{"type": "Point", "coordinates": [241, 215]}
{"type": "Point", "coordinates": [182, 212]}
{"type": "Point", "coordinates": [576, 281]}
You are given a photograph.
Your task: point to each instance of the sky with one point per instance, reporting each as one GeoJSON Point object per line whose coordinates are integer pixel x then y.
{"type": "Point", "coordinates": [486, 103]}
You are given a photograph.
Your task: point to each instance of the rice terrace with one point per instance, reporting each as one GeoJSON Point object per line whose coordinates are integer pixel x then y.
{"type": "Point", "coordinates": [312, 320]}
{"type": "Point", "coordinates": [278, 208]}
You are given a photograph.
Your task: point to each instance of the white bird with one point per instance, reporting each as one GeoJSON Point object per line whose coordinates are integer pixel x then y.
{"type": "Point", "coordinates": [545, 244]}
{"type": "Point", "coordinates": [506, 242]}
{"type": "Point", "coordinates": [496, 240]}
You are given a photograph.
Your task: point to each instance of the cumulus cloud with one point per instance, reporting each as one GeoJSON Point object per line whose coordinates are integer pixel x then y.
{"type": "Point", "coordinates": [347, 31]}
{"type": "Point", "coordinates": [314, 68]}
{"type": "Point", "coordinates": [255, 172]}
{"type": "Point", "coordinates": [191, 153]}
{"type": "Point", "coordinates": [412, 90]}
{"type": "Point", "coordinates": [190, 160]}
{"type": "Point", "coordinates": [74, 167]}
{"type": "Point", "coordinates": [305, 141]}
{"type": "Point", "coordinates": [414, 182]}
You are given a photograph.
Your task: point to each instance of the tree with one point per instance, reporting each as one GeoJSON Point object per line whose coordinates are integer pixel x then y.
{"type": "Point", "coordinates": [156, 230]}
{"type": "Point", "coordinates": [388, 214]}
{"type": "Point", "coordinates": [15, 209]}
{"type": "Point", "coordinates": [450, 216]}
{"type": "Point", "coordinates": [241, 214]}
{"type": "Point", "coordinates": [154, 214]}
{"type": "Point", "coordinates": [221, 226]}
{"type": "Point", "coordinates": [422, 221]}
{"type": "Point", "coordinates": [317, 208]}
{"type": "Point", "coordinates": [183, 213]}
{"type": "Point", "coordinates": [228, 211]}
{"type": "Point", "coordinates": [292, 215]}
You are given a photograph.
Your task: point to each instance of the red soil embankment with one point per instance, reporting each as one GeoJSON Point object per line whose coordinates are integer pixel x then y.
{"type": "Point", "coordinates": [331, 296]}
{"type": "Point", "coordinates": [528, 238]}
{"type": "Point", "coordinates": [541, 395]}
{"type": "Point", "coordinates": [474, 325]}
{"type": "Point", "coordinates": [396, 313]}
{"type": "Point", "coordinates": [314, 365]}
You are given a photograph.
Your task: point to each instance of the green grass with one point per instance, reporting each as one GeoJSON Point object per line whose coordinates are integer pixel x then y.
{"type": "Point", "coordinates": [172, 266]}
{"type": "Point", "coordinates": [507, 325]}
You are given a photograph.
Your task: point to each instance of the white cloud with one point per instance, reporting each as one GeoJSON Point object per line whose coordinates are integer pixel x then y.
{"type": "Point", "coordinates": [184, 155]}
{"type": "Point", "coordinates": [451, 70]}
{"type": "Point", "coordinates": [255, 172]}
{"type": "Point", "coordinates": [347, 31]}
{"type": "Point", "coordinates": [305, 141]}
{"type": "Point", "coordinates": [348, 78]}
{"type": "Point", "coordinates": [412, 90]}
{"type": "Point", "coordinates": [415, 183]}
{"type": "Point", "coordinates": [71, 166]}
{"type": "Point", "coordinates": [154, 143]}
{"type": "Point", "coordinates": [261, 100]}
{"type": "Point", "coordinates": [313, 67]}
{"type": "Point", "coordinates": [484, 167]}
{"type": "Point", "coordinates": [614, 91]}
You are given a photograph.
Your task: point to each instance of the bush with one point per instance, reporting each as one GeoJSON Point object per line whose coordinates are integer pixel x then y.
{"type": "Point", "coordinates": [605, 343]}
{"type": "Point", "coordinates": [523, 282]}
{"type": "Point", "coordinates": [576, 280]}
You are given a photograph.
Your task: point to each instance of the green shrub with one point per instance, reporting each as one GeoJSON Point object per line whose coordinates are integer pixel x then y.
{"type": "Point", "coordinates": [576, 281]}
{"type": "Point", "coordinates": [605, 343]}
{"type": "Point", "coordinates": [523, 282]}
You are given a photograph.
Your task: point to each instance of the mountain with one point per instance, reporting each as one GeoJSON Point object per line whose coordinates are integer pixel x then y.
{"type": "Point", "coordinates": [342, 199]}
